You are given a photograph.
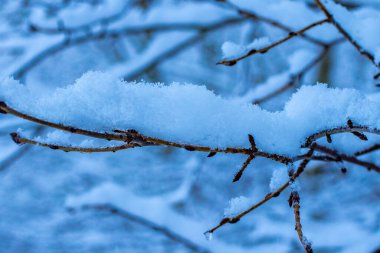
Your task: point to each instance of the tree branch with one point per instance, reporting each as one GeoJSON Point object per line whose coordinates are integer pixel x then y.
{"type": "Point", "coordinates": [146, 223]}
{"type": "Point", "coordinates": [344, 157]}
{"type": "Point", "coordinates": [268, 197]}
{"type": "Point", "coordinates": [17, 138]}
{"type": "Point", "coordinates": [231, 62]}
{"type": "Point", "coordinates": [347, 129]}
{"type": "Point", "coordinates": [272, 22]}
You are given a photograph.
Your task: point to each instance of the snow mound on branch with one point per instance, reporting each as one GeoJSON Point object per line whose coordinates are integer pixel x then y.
{"type": "Point", "coordinates": [191, 114]}
{"type": "Point", "coordinates": [236, 206]}
{"type": "Point", "coordinates": [232, 50]}
{"type": "Point", "coordinates": [279, 177]}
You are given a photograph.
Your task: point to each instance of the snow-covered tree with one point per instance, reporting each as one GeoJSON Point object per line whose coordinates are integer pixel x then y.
{"type": "Point", "coordinates": [178, 110]}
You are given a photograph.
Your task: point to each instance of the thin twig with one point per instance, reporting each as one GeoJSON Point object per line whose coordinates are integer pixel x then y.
{"type": "Point", "coordinates": [271, 22]}
{"type": "Point", "coordinates": [17, 138]}
{"type": "Point", "coordinates": [294, 201]}
{"type": "Point", "coordinates": [346, 129]}
{"type": "Point", "coordinates": [231, 62]}
{"type": "Point", "coordinates": [245, 165]}
{"type": "Point", "coordinates": [344, 157]}
{"type": "Point", "coordinates": [249, 159]}
{"type": "Point", "coordinates": [268, 197]}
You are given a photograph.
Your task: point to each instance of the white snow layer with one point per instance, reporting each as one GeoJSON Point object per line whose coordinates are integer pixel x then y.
{"type": "Point", "coordinates": [236, 206]}
{"type": "Point", "coordinates": [279, 177]}
{"type": "Point", "coordinates": [192, 114]}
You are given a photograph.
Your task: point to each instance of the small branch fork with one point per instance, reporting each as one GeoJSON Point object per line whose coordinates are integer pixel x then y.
{"type": "Point", "coordinates": [368, 150]}
{"type": "Point", "coordinates": [17, 138]}
{"type": "Point", "coordinates": [269, 196]}
{"type": "Point", "coordinates": [132, 136]}
{"type": "Point", "coordinates": [294, 201]}
{"type": "Point", "coordinates": [329, 19]}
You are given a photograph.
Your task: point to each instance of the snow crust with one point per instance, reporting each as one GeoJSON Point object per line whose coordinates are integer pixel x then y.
{"type": "Point", "coordinates": [191, 114]}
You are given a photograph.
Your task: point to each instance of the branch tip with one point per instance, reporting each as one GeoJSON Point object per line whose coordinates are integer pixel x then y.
{"type": "Point", "coordinates": [16, 138]}
{"type": "Point", "coordinates": [2, 106]}
{"type": "Point", "coordinates": [211, 154]}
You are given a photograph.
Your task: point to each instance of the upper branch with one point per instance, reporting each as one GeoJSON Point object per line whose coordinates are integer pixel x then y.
{"type": "Point", "coordinates": [272, 22]}
{"type": "Point", "coordinates": [231, 62]}
{"type": "Point", "coordinates": [346, 129]}
{"type": "Point", "coordinates": [269, 196]}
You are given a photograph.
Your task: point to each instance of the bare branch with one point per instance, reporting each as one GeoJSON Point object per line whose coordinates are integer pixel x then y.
{"type": "Point", "coordinates": [269, 196]}
{"type": "Point", "coordinates": [17, 138]}
{"type": "Point", "coordinates": [240, 172]}
{"type": "Point", "coordinates": [312, 138]}
{"type": "Point", "coordinates": [294, 201]}
{"type": "Point", "coordinates": [368, 150]}
{"type": "Point", "coordinates": [344, 157]}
